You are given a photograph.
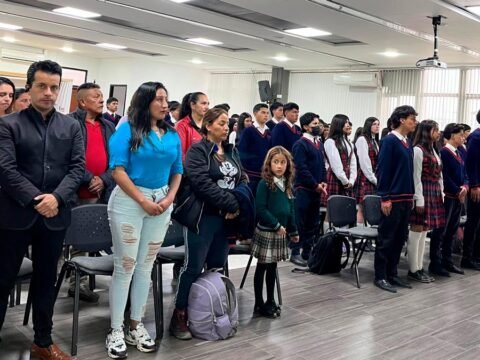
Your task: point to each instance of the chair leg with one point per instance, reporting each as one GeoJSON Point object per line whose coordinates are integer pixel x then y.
{"type": "Point", "coordinates": [19, 293]}
{"type": "Point", "coordinates": [226, 272]}
{"type": "Point", "coordinates": [357, 275]}
{"type": "Point", "coordinates": [91, 282]}
{"type": "Point", "coordinates": [12, 298]}
{"type": "Point", "coordinates": [160, 301]}
{"type": "Point", "coordinates": [28, 306]}
{"type": "Point", "coordinates": [61, 276]}
{"type": "Point", "coordinates": [155, 298]}
{"type": "Point", "coordinates": [76, 300]}
{"type": "Point", "coordinates": [246, 272]}
{"type": "Point", "coordinates": [279, 290]}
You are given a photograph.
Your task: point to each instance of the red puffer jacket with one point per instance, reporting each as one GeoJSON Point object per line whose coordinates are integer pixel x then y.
{"type": "Point", "coordinates": [189, 135]}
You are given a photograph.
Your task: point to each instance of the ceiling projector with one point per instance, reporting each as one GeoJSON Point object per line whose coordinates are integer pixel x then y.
{"type": "Point", "coordinates": [434, 61]}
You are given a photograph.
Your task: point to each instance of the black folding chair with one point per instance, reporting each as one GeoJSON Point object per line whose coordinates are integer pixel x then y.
{"type": "Point", "coordinates": [166, 255]}
{"type": "Point", "coordinates": [24, 274]}
{"type": "Point", "coordinates": [342, 212]}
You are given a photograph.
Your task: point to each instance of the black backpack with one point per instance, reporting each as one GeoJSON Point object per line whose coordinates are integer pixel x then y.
{"type": "Point", "coordinates": [326, 255]}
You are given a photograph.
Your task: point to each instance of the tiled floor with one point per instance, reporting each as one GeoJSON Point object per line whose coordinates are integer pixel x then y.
{"type": "Point", "coordinates": [324, 317]}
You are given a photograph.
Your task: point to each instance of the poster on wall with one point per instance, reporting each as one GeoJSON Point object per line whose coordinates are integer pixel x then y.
{"type": "Point", "coordinates": [64, 96]}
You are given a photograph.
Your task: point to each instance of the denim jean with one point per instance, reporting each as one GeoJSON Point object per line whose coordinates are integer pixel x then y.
{"type": "Point", "coordinates": [137, 237]}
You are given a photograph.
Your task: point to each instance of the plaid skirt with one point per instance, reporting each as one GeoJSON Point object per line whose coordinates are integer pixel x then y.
{"type": "Point", "coordinates": [269, 247]}
{"type": "Point", "coordinates": [363, 187]}
{"type": "Point", "coordinates": [334, 187]}
{"type": "Point", "coordinates": [433, 216]}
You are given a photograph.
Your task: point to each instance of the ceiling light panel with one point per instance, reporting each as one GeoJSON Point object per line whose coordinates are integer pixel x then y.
{"type": "Point", "coordinates": [308, 32]}
{"type": "Point", "coordinates": [204, 41]}
{"type": "Point", "coordinates": [474, 9]}
{"type": "Point", "coordinates": [78, 13]}
{"type": "Point", "coordinates": [111, 46]}
{"type": "Point", "coordinates": [9, 26]}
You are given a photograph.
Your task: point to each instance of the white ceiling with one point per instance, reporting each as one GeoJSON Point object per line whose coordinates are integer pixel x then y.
{"type": "Point", "coordinates": [160, 27]}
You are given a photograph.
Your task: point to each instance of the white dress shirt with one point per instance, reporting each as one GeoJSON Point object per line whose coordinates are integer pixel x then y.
{"type": "Point", "coordinates": [364, 159]}
{"type": "Point", "coordinates": [259, 127]}
{"type": "Point", "coordinates": [336, 162]}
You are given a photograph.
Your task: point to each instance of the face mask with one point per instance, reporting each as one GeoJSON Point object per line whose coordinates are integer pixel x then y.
{"type": "Point", "coordinates": [316, 131]}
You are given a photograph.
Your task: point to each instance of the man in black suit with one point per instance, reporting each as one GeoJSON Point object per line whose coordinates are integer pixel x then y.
{"type": "Point", "coordinates": [112, 107]}
{"type": "Point", "coordinates": [42, 161]}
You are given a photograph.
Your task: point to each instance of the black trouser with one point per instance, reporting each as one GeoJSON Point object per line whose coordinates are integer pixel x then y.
{"type": "Point", "coordinates": [46, 249]}
{"type": "Point", "coordinates": [307, 211]}
{"type": "Point", "coordinates": [441, 240]}
{"type": "Point", "coordinates": [210, 246]}
{"type": "Point", "coordinates": [471, 241]}
{"type": "Point", "coordinates": [392, 234]}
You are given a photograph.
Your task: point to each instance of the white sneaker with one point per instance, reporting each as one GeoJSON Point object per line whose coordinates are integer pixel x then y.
{"type": "Point", "coordinates": [141, 339]}
{"type": "Point", "coordinates": [115, 344]}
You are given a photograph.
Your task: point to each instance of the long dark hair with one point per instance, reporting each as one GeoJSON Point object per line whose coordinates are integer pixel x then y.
{"type": "Point", "coordinates": [4, 80]}
{"type": "Point", "coordinates": [367, 129]}
{"type": "Point", "coordinates": [423, 135]}
{"type": "Point", "coordinates": [358, 133]}
{"type": "Point", "coordinates": [139, 115]}
{"type": "Point", "coordinates": [189, 98]}
{"type": "Point", "coordinates": [241, 122]}
{"type": "Point", "coordinates": [336, 132]}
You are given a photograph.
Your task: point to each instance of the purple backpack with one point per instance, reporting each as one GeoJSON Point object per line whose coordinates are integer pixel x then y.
{"type": "Point", "coordinates": [212, 307]}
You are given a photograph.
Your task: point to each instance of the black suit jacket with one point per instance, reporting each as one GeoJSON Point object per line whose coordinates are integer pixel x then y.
{"type": "Point", "coordinates": [107, 130]}
{"type": "Point", "coordinates": [109, 117]}
{"type": "Point", "coordinates": [37, 157]}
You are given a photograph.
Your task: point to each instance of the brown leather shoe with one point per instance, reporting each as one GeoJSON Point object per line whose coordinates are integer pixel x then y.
{"type": "Point", "coordinates": [53, 352]}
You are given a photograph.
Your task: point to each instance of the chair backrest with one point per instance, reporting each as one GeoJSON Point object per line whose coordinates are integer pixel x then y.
{"type": "Point", "coordinates": [90, 229]}
{"type": "Point", "coordinates": [341, 210]}
{"type": "Point", "coordinates": [372, 209]}
{"type": "Point", "coordinates": [174, 235]}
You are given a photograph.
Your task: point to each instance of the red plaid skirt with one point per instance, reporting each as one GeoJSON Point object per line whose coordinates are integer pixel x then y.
{"type": "Point", "coordinates": [334, 187]}
{"type": "Point", "coordinates": [433, 216]}
{"type": "Point", "coordinates": [363, 187]}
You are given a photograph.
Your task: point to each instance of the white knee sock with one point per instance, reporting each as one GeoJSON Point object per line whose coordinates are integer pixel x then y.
{"type": "Point", "coordinates": [412, 250]}
{"type": "Point", "coordinates": [421, 249]}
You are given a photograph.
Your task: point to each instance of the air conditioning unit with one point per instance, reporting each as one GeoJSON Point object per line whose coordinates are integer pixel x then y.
{"type": "Point", "coordinates": [23, 55]}
{"type": "Point", "coordinates": [358, 79]}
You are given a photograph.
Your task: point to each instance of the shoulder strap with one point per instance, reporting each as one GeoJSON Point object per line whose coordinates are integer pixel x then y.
{"type": "Point", "coordinates": [231, 297]}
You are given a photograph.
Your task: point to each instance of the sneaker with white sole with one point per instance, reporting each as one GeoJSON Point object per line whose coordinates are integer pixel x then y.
{"type": "Point", "coordinates": [141, 339]}
{"type": "Point", "coordinates": [115, 344]}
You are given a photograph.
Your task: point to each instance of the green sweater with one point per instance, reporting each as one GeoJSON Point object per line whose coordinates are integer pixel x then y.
{"type": "Point", "coordinates": [274, 209]}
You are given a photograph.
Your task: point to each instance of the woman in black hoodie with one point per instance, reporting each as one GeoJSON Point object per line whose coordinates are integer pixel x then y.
{"type": "Point", "coordinates": [213, 170]}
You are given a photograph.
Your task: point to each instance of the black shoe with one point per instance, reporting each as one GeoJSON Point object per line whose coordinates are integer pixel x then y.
{"type": "Point", "coordinates": [454, 269]}
{"type": "Point", "coordinates": [385, 285]}
{"type": "Point", "coordinates": [469, 264]}
{"type": "Point", "coordinates": [417, 276]}
{"type": "Point", "coordinates": [438, 270]}
{"type": "Point", "coordinates": [427, 276]}
{"type": "Point", "coordinates": [256, 309]}
{"type": "Point", "coordinates": [276, 309]}
{"type": "Point", "coordinates": [298, 260]}
{"type": "Point", "coordinates": [85, 293]}
{"type": "Point", "coordinates": [268, 311]}
{"type": "Point", "coordinates": [396, 281]}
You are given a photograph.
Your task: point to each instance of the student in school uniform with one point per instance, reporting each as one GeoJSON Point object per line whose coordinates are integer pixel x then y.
{"type": "Point", "coordinates": [276, 110]}
{"type": "Point", "coordinates": [254, 145]}
{"type": "Point", "coordinates": [455, 188]}
{"type": "Point", "coordinates": [340, 155]}
{"type": "Point", "coordinates": [395, 187]}
{"type": "Point", "coordinates": [286, 132]}
{"type": "Point", "coordinates": [310, 182]}
{"type": "Point", "coordinates": [471, 240]}
{"type": "Point", "coordinates": [429, 212]}
{"type": "Point", "coordinates": [367, 153]}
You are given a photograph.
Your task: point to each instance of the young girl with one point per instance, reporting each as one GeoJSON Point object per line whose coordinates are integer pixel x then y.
{"type": "Point", "coordinates": [342, 170]}
{"type": "Point", "coordinates": [276, 222]}
{"type": "Point", "coordinates": [429, 213]}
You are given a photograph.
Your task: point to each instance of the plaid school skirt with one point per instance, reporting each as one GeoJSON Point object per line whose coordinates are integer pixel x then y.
{"type": "Point", "coordinates": [269, 247]}
{"type": "Point", "coordinates": [363, 187]}
{"type": "Point", "coordinates": [334, 187]}
{"type": "Point", "coordinates": [433, 216]}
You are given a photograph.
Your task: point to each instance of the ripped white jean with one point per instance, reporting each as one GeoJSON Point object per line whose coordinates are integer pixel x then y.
{"type": "Point", "coordinates": [136, 237]}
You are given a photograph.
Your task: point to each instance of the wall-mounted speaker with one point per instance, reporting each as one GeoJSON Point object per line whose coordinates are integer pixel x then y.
{"type": "Point", "coordinates": [265, 91]}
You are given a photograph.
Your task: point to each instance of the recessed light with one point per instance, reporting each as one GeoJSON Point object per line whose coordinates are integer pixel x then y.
{"type": "Point", "coordinates": [10, 26]}
{"type": "Point", "coordinates": [204, 41]}
{"type": "Point", "coordinates": [474, 9]}
{"type": "Point", "coordinates": [196, 61]}
{"type": "Point", "coordinates": [390, 53]}
{"type": "Point", "coordinates": [179, 1]}
{"type": "Point", "coordinates": [9, 39]}
{"type": "Point", "coordinates": [281, 58]}
{"type": "Point", "coordinates": [111, 46]}
{"type": "Point", "coordinates": [67, 49]}
{"type": "Point", "coordinates": [308, 32]}
{"type": "Point", "coordinates": [69, 11]}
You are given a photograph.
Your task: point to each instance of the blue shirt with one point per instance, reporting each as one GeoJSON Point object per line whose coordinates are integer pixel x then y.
{"type": "Point", "coordinates": [153, 163]}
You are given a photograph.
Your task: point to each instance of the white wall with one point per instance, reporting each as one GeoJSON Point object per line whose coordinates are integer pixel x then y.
{"type": "Point", "coordinates": [316, 92]}
{"type": "Point", "coordinates": [178, 80]}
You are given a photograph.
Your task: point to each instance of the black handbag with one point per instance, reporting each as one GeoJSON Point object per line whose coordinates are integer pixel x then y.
{"type": "Point", "coordinates": [188, 211]}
